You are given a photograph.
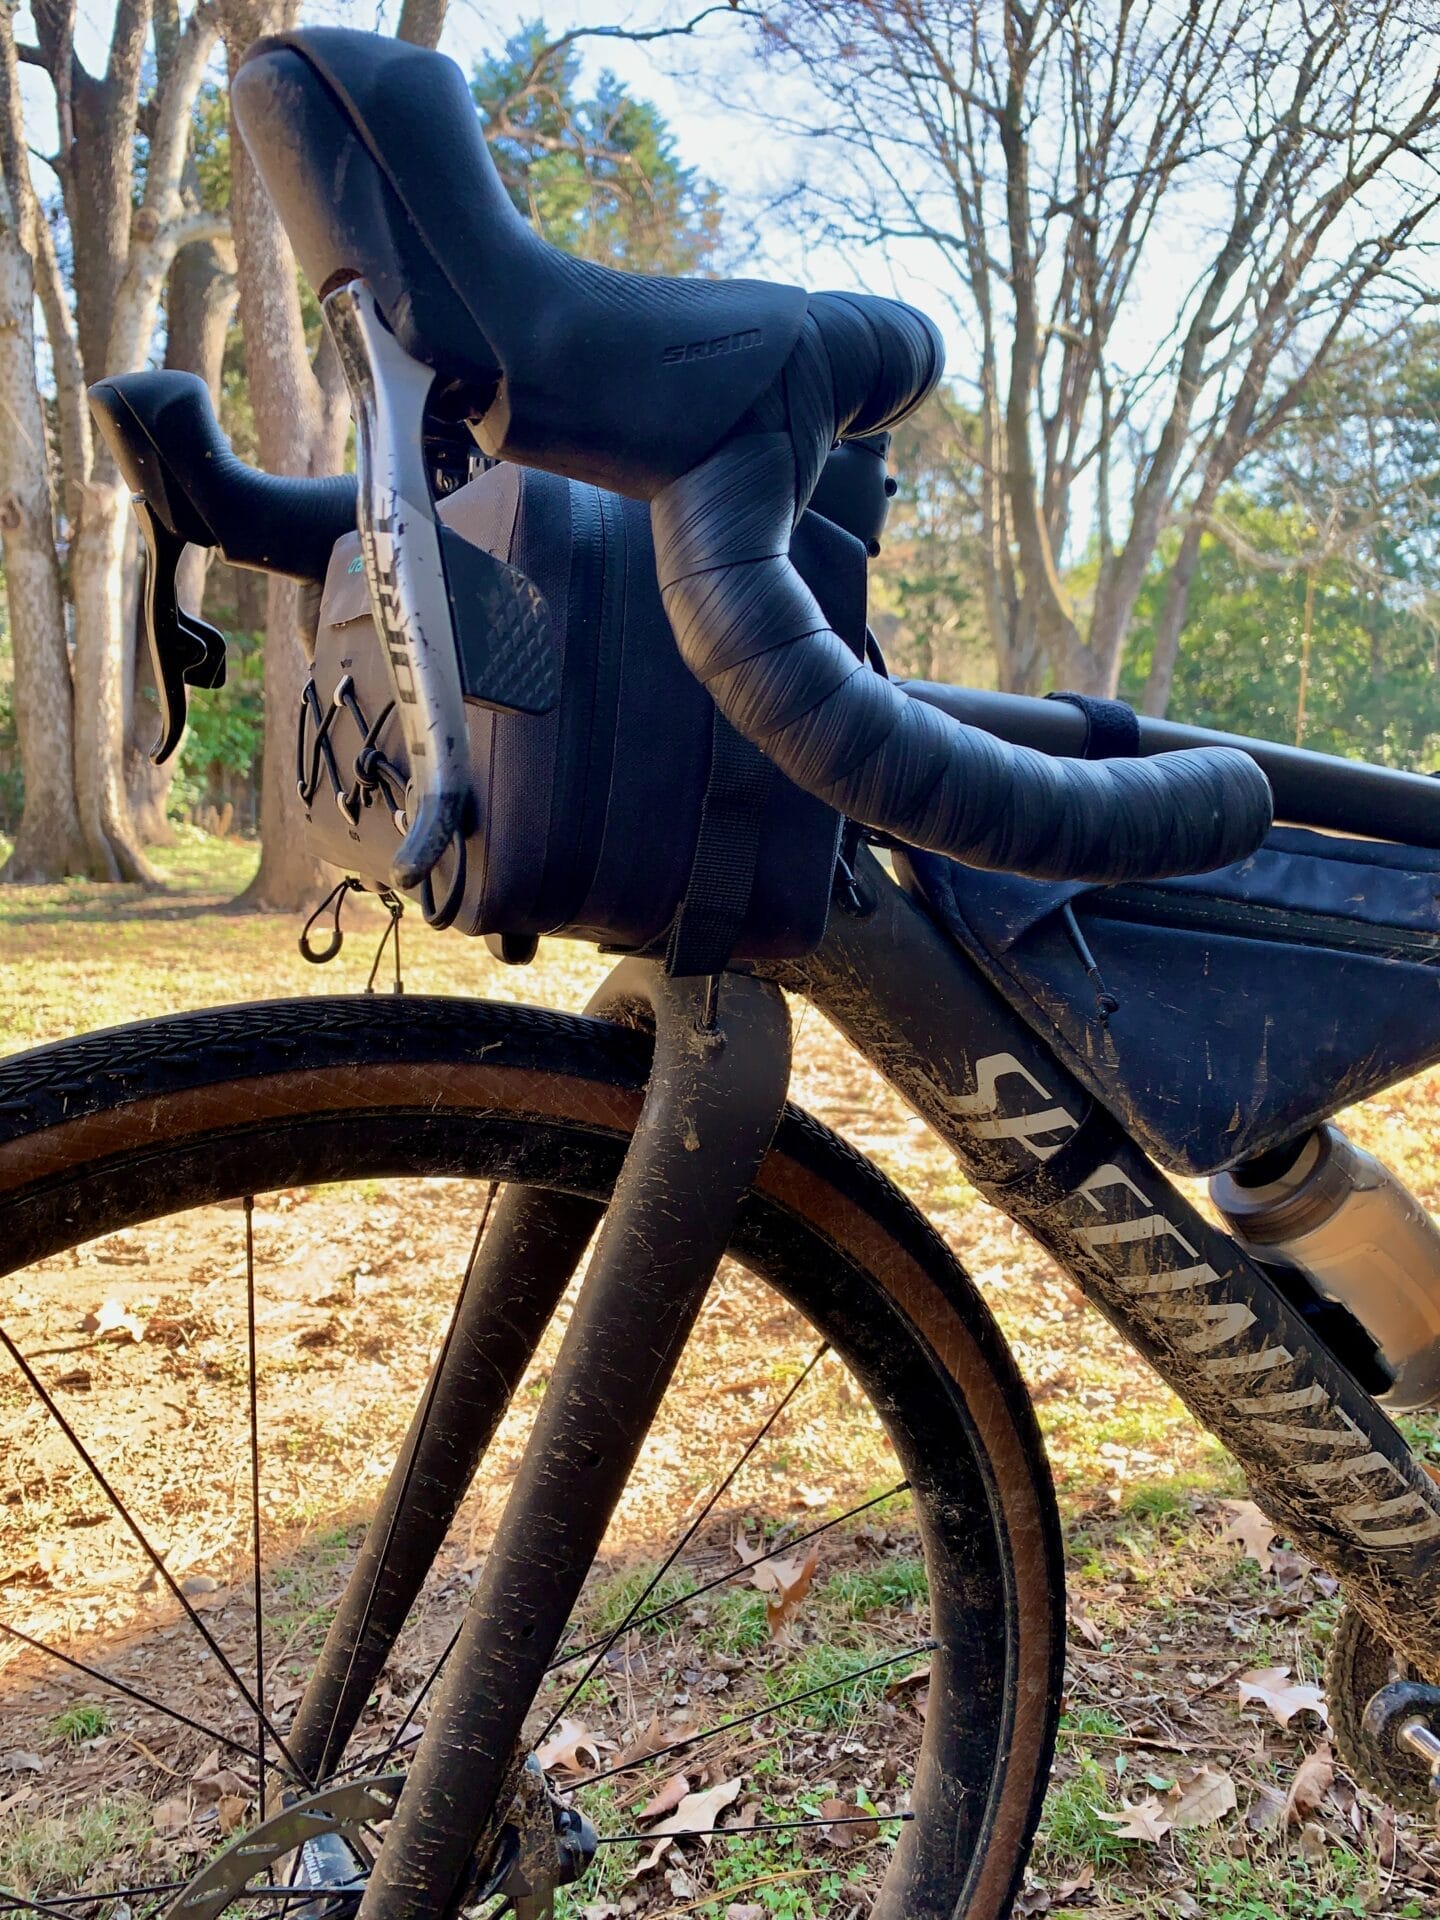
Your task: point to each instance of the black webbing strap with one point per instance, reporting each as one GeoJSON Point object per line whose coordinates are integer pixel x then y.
{"type": "Point", "coordinates": [727, 847]}
{"type": "Point", "coordinates": [1112, 730]}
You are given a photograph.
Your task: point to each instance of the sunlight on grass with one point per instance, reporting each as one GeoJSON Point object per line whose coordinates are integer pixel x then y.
{"type": "Point", "coordinates": [51, 1853]}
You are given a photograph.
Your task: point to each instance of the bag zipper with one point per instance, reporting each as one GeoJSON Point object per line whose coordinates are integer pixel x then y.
{"type": "Point", "coordinates": [1162, 907]}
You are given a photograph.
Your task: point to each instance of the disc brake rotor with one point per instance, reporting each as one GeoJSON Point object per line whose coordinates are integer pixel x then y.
{"type": "Point", "coordinates": [324, 1827]}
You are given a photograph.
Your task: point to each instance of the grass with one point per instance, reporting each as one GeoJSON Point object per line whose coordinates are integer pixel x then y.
{"type": "Point", "coordinates": [1280, 1888]}
{"type": "Point", "coordinates": [1072, 1832]}
{"type": "Point", "coordinates": [301, 1592]}
{"type": "Point", "coordinates": [826, 1665]}
{"type": "Point", "coordinates": [42, 1853]}
{"type": "Point", "coordinates": [1177, 1612]}
{"type": "Point", "coordinates": [81, 1721]}
{"type": "Point", "coordinates": [611, 1601]}
{"type": "Point", "coordinates": [735, 1622]}
{"type": "Point", "coordinates": [865, 1590]}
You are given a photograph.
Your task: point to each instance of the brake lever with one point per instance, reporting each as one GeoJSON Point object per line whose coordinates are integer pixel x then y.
{"type": "Point", "coordinates": [184, 649]}
{"type": "Point", "coordinates": [430, 590]}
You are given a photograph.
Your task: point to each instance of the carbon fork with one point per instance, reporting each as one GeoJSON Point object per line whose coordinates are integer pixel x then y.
{"type": "Point", "coordinates": [714, 1099]}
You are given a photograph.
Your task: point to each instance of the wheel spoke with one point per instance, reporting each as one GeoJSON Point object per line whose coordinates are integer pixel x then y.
{"type": "Point", "coordinates": [431, 1389]}
{"type": "Point", "coordinates": [759, 1713]}
{"type": "Point", "coordinates": [9, 1900]}
{"type": "Point", "coordinates": [255, 1496]}
{"type": "Point", "coordinates": [689, 1534]}
{"type": "Point", "coordinates": [23, 1902]}
{"type": "Point", "coordinates": [142, 1540]}
{"type": "Point", "coordinates": [132, 1693]}
{"type": "Point", "coordinates": [734, 1573]}
{"type": "Point", "coordinates": [761, 1826]}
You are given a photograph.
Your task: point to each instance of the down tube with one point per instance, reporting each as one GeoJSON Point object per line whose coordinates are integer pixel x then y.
{"type": "Point", "coordinates": [1322, 1458]}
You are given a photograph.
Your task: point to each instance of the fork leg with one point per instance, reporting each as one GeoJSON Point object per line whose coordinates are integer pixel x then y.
{"type": "Point", "coordinates": [716, 1092]}
{"type": "Point", "coordinates": [532, 1247]}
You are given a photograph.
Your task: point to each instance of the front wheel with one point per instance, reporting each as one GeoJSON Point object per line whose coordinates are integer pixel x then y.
{"type": "Point", "coordinates": [823, 1645]}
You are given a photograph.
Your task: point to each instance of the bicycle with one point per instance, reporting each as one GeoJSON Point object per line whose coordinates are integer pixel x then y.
{"type": "Point", "coordinates": [656, 1124]}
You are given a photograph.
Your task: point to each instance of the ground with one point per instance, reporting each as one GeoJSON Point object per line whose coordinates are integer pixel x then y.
{"type": "Point", "coordinates": [1174, 1596]}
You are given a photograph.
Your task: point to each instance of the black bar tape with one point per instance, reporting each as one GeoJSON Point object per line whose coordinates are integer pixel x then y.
{"type": "Point", "coordinates": [751, 631]}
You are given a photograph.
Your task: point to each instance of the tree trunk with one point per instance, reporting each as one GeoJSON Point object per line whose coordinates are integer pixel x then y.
{"type": "Point", "coordinates": [1158, 682]}
{"type": "Point", "coordinates": [289, 878]}
{"type": "Point", "coordinates": [421, 22]}
{"type": "Point", "coordinates": [48, 844]}
{"type": "Point", "coordinates": [96, 556]}
{"type": "Point", "coordinates": [286, 401]}
{"type": "Point", "coordinates": [199, 303]}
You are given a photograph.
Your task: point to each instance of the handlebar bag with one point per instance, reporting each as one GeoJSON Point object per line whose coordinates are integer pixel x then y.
{"type": "Point", "coordinates": [630, 815]}
{"type": "Point", "coordinates": [1225, 1013]}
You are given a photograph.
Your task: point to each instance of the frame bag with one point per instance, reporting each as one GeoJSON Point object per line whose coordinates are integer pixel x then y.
{"type": "Point", "coordinates": [631, 814]}
{"type": "Point", "coordinates": [1225, 1013]}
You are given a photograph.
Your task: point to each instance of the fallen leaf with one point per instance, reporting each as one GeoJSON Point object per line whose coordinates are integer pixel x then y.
{"type": "Point", "coordinates": [1290, 1568]}
{"type": "Point", "coordinates": [699, 1812]}
{"type": "Point", "coordinates": [785, 1584]}
{"type": "Point", "coordinates": [667, 1799]}
{"type": "Point", "coordinates": [1314, 1842]}
{"type": "Point", "coordinates": [19, 1761]}
{"type": "Point", "coordinates": [745, 1911]}
{"type": "Point", "coordinates": [651, 1860]}
{"type": "Point", "coordinates": [848, 1825]}
{"type": "Point", "coordinates": [1082, 1623]}
{"type": "Point", "coordinates": [232, 1812]}
{"type": "Point", "coordinates": [1313, 1779]}
{"type": "Point", "coordinates": [744, 1552]}
{"type": "Point", "coordinates": [1200, 1799]}
{"type": "Point", "coordinates": [1250, 1530]}
{"type": "Point", "coordinates": [172, 1816]}
{"type": "Point", "coordinates": [654, 1738]}
{"type": "Point", "coordinates": [571, 1747]}
{"type": "Point", "coordinates": [1273, 1688]}
{"type": "Point", "coordinates": [1068, 1889]}
{"type": "Point", "coordinates": [1147, 1820]}
{"type": "Point", "coordinates": [223, 1784]}
{"type": "Point", "coordinates": [112, 1321]}
{"type": "Point", "coordinates": [1266, 1809]}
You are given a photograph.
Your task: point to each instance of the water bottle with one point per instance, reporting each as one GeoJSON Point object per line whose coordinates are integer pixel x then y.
{"type": "Point", "coordinates": [1338, 1215]}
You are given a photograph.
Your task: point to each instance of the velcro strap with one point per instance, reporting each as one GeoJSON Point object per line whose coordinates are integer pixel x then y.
{"type": "Point", "coordinates": [727, 848]}
{"type": "Point", "coordinates": [1112, 729]}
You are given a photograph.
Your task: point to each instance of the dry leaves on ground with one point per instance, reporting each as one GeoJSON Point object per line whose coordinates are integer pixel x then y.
{"type": "Point", "coordinates": [699, 1812]}
{"type": "Point", "coordinates": [1251, 1531]}
{"type": "Point", "coordinates": [1272, 1688]}
{"type": "Point", "coordinates": [113, 1321]}
{"type": "Point", "coordinates": [1201, 1798]}
{"type": "Point", "coordinates": [848, 1825]}
{"type": "Point", "coordinates": [1313, 1781]}
{"type": "Point", "coordinates": [573, 1748]}
{"type": "Point", "coordinates": [784, 1583]}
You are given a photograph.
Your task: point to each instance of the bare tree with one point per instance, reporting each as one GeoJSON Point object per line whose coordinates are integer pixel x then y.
{"type": "Point", "coordinates": [1156, 221]}
{"type": "Point", "coordinates": [120, 255]}
{"type": "Point", "coordinates": [48, 844]}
